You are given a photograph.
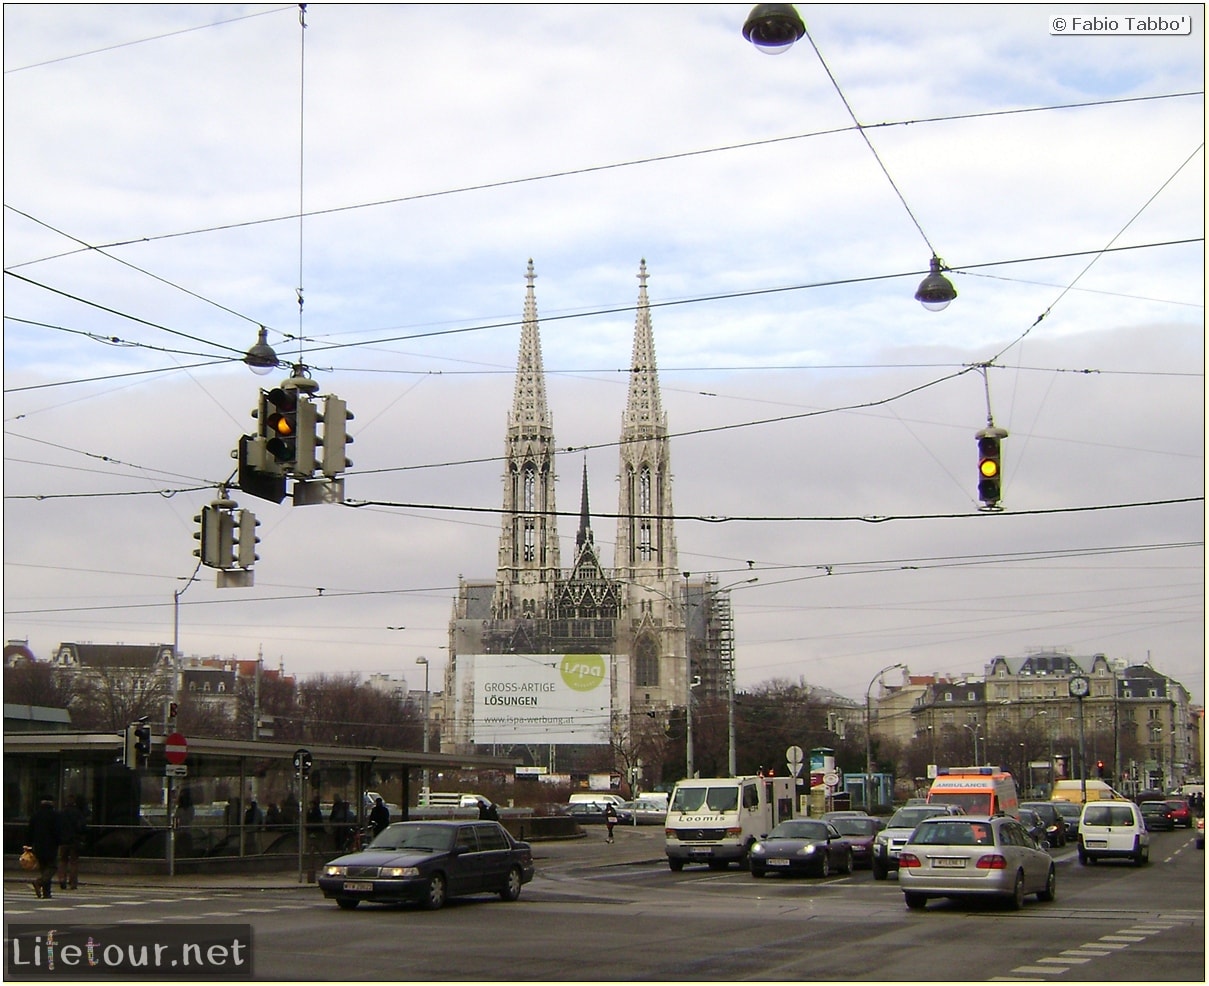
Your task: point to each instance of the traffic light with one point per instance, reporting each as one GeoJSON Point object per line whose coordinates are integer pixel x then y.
{"type": "Point", "coordinates": [226, 534]}
{"type": "Point", "coordinates": [336, 438]}
{"type": "Point", "coordinates": [279, 424]}
{"type": "Point", "coordinates": [307, 420]}
{"type": "Point", "coordinates": [216, 534]}
{"type": "Point", "coordinates": [130, 746]}
{"type": "Point", "coordinates": [1099, 768]}
{"type": "Point", "coordinates": [248, 540]}
{"type": "Point", "coordinates": [256, 477]}
{"type": "Point", "coordinates": [302, 762]}
{"type": "Point", "coordinates": [207, 534]}
{"type": "Point", "coordinates": [142, 744]}
{"type": "Point", "coordinates": [990, 466]}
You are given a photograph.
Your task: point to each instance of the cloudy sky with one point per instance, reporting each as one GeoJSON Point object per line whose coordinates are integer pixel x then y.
{"type": "Point", "coordinates": [157, 161]}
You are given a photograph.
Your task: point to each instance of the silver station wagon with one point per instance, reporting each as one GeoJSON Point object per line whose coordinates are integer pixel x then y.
{"type": "Point", "coordinates": [974, 855]}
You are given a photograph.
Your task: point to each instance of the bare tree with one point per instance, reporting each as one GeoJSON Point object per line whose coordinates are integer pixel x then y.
{"type": "Point", "coordinates": [113, 697]}
{"type": "Point", "coordinates": [339, 709]}
{"type": "Point", "coordinates": [40, 683]}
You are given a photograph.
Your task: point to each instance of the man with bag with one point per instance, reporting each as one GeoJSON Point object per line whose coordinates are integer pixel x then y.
{"type": "Point", "coordinates": [42, 834]}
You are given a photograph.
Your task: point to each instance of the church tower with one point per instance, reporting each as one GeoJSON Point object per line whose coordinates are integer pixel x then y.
{"type": "Point", "coordinates": [528, 568]}
{"type": "Point", "coordinates": [653, 633]}
{"type": "Point", "coordinates": [646, 543]}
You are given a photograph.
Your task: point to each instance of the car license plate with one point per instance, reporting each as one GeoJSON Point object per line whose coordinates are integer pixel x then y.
{"type": "Point", "coordinates": [699, 852]}
{"type": "Point", "coordinates": [949, 862]}
{"type": "Point", "coordinates": [358, 886]}
{"type": "Point", "coordinates": [778, 862]}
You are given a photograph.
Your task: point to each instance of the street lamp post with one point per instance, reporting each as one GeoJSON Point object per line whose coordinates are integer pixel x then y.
{"type": "Point", "coordinates": [869, 733]}
{"type": "Point", "coordinates": [424, 772]}
{"type": "Point", "coordinates": [974, 732]}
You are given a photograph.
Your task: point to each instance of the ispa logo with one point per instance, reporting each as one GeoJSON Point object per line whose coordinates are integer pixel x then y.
{"type": "Point", "coordinates": [582, 672]}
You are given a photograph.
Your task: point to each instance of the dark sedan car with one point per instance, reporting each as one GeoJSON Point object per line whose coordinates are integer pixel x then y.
{"type": "Point", "coordinates": [801, 845]}
{"type": "Point", "coordinates": [429, 862]}
{"type": "Point", "coordinates": [1055, 824]}
{"type": "Point", "coordinates": [1157, 816]}
{"type": "Point", "coordinates": [1033, 823]}
{"type": "Point", "coordinates": [860, 831]}
{"type": "Point", "coordinates": [1070, 812]}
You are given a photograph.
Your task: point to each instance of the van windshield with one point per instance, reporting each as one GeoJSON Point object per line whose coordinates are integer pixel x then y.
{"type": "Point", "coordinates": [712, 798]}
{"type": "Point", "coordinates": [974, 803]}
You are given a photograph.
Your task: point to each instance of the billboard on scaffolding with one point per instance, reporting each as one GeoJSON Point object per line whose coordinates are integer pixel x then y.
{"type": "Point", "coordinates": [535, 698]}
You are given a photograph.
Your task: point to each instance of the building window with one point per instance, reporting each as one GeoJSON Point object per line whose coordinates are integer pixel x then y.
{"type": "Point", "coordinates": [646, 663]}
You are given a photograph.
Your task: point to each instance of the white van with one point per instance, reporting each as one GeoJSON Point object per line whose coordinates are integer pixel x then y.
{"type": "Point", "coordinates": [601, 798]}
{"type": "Point", "coordinates": [716, 820]}
{"type": "Point", "coordinates": [1112, 830]}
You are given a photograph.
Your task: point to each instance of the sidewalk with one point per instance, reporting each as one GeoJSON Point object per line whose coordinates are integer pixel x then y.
{"type": "Point", "coordinates": [631, 846]}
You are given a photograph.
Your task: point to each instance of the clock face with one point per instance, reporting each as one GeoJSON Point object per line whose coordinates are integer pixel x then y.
{"type": "Point", "coordinates": [1078, 686]}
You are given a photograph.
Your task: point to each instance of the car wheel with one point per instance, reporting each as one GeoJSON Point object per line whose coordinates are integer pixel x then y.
{"type": "Point", "coordinates": [1084, 859]}
{"type": "Point", "coordinates": [675, 865]}
{"type": "Point", "coordinates": [1142, 856]}
{"type": "Point", "coordinates": [1016, 901]}
{"type": "Point", "coordinates": [1051, 886]}
{"type": "Point", "coordinates": [879, 871]}
{"type": "Point", "coordinates": [346, 903]}
{"type": "Point", "coordinates": [847, 867]}
{"type": "Point", "coordinates": [512, 889]}
{"type": "Point", "coordinates": [434, 899]}
{"type": "Point", "coordinates": [825, 866]}
{"type": "Point", "coordinates": [916, 902]}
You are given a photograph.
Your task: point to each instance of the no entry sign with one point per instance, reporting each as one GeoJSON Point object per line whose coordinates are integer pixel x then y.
{"type": "Point", "coordinates": [176, 747]}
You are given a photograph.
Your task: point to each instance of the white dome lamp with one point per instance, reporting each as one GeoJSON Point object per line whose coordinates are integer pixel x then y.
{"type": "Point", "coordinates": [773, 27]}
{"type": "Point", "coordinates": [935, 291]}
{"type": "Point", "coordinates": [261, 358]}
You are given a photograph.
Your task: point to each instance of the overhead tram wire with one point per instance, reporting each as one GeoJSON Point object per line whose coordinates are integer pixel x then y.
{"type": "Point", "coordinates": [1099, 254]}
{"type": "Point", "coordinates": [592, 169]}
{"type": "Point", "coordinates": [238, 355]}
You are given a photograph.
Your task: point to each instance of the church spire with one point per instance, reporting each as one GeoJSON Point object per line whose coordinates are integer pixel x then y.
{"type": "Point", "coordinates": [646, 543]}
{"type": "Point", "coordinates": [644, 410]}
{"type": "Point", "coordinates": [585, 520]}
{"type": "Point", "coordinates": [529, 411]}
{"type": "Point", "coordinates": [528, 558]}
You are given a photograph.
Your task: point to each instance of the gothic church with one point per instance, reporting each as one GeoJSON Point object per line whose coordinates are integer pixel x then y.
{"type": "Point", "coordinates": [633, 614]}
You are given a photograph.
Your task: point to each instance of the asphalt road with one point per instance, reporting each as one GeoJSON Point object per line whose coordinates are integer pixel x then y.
{"type": "Point", "coordinates": [616, 912]}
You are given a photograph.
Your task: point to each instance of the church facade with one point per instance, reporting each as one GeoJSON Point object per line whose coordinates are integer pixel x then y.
{"type": "Point", "coordinates": [582, 665]}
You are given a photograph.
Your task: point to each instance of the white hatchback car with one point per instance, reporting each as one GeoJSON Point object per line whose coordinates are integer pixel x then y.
{"type": "Point", "coordinates": [1113, 830]}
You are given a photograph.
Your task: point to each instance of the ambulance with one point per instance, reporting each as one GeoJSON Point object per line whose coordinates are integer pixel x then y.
{"type": "Point", "coordinates": [976, 790]}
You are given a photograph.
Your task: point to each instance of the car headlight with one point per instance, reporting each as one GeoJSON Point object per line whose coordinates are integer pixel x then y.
{"type": "Point", "coordinates": [880, 841]}
{"type": "Point", "coordinates": [397, 872]}
{"type": "Point", "coordinates": [335, 870]}
{"type": "Point", "coordinates": [758, 848]}
{"type": "Point", "coordinates": [807, 850]}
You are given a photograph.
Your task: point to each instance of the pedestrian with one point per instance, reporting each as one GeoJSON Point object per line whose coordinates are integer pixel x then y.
{"type": "Point", "coordinates": [253, 821]}
{"type": "Point", "coordinates": [73, 824]}
{"type": "Point", "coordinates": [272, 817]}
{"type": "Point", "coordinates": [342, 822]}
{"type": "Point", "coordinates": [42, 834]}
{"type": "Point", "coordinates": [379, 815]}
{"type": "Point", "coordinates": [314, 821]}
{"type": "Point", "coordinates": [610, 817]}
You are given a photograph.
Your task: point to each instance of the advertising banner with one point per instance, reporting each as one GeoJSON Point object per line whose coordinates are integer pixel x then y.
{"type": "Point", "coordinates": [536, 698]}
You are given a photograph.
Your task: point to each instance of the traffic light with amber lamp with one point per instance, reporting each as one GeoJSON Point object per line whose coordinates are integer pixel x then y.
{"type": "Point", "coordinates": [279, 424]}
{"type": "Point", "coordinates": [990, 466]}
